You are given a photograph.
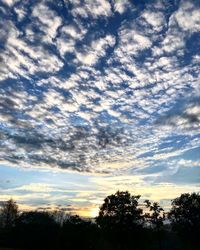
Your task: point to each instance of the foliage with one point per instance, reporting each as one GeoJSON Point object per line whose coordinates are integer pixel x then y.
{"type": "Point", "coordinates": [59, 216]}
{"type": "Point", "coordinates": [120, 211]}
{"type": "Point", "coordinates": [121, 225]}
{"type": "Point", "coordinates": [77, 228]}
{"type": "Point", "coordinates": [185, 212]}
{"type": "Point", "coordinates": [155, 218]}
{"type": "Point", "coordinates": [156, 215]}
{"type": "Point", "coordinates": [9, 213]}
{"type": "Point", "coordinates": [35, 228]}
{"type": "Point", "coordinates": [185, 217]}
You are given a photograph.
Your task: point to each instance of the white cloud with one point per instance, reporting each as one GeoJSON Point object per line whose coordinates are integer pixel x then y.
{"type": "Point", "coordinates": [131, 42]}
{"type": "Point", "coordinates": [121, 6]}
{"type": "Point", "coordinates": [69, 35]}
{"type": "Point", "coordinates": [48, 21]}
{"type": "Point", "coordinates": [21, 12]}
{"type": "Point", "coordinates": [94, 9]}
{"type": "Point", "coordinates": [189, 163]}
{"type": "Point", "coordinates": [97, 50]}
{"type": "Point", "coordinates": [155, 19]}
{"type": "Point", "coordinates": [10, 2]}
{"type": "Point", "coordinates": [188, 16]}
{"type": "Point", "coordinates": [64, 46]}
{"type": "Point", "coordinates": [20, 58]}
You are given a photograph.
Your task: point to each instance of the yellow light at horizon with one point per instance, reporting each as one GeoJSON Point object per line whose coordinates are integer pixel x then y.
{"type": "Point", "coordinates": [94, 212]}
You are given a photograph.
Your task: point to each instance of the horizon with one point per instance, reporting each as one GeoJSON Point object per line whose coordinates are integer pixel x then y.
{"type": "Point", "coordinates": [97, 97]}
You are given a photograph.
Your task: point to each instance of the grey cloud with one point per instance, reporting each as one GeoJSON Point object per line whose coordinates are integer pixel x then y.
{"type": "Point", "coordinates": [188, 117]}
{"type": "Point", "coordinates": [71, 151]}
{"type": "Point", "coordinates": [7, 103]}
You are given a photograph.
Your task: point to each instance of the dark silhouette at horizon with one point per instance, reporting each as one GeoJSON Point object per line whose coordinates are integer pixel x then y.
{"type": "Point", "coordinates": [121, 225]}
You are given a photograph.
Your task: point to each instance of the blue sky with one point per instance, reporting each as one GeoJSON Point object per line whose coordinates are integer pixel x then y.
{"type": "Point", "coordinates": [96, 96]}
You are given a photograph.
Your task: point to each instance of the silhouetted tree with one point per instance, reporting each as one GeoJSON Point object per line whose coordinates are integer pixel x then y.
{"type": "Point", "coordinates": [78, 233]}
{"type": "Point", "coordinates": [121, 218]}
{"type": "Point", "coordinates": [9, 213]}
{"type": "Point", "coordinates": [37, 230]}
{"type": "Point", "coordinates": [59, 216]}
{"type": "Point", "coordinates": [120, 210]}
{"type": "Point", "coordinates": [119, 226]}
{"type": "Point", "coordinates": [155, 218]}
{"type": "Point", "coordinates": [185, 216]}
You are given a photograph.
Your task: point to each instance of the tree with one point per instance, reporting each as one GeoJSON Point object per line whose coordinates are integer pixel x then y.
{"type": "Point", "coordinates": [78, 233]}
{"type": "Point", "coordinates": [121, 220]}
{"type": "Point", "coordinates": [59, 216]}
{"type": "Point", "coordinates": [37, 228]}
{"type": "Point", "coordinates": [120, 211]}
{"type": "Point", "coordinates": [185, 213]}
{"type": "Point", "coordinates": [185, 218]}
{"type": "Point", "coordinates": [155, 218]}
{"type": "Point", "coordinates": [9, 213]}
{"type": "Point", "coordinates": [156, 215]}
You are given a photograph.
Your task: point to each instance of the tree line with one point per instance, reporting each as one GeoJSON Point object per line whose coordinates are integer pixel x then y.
{"type": "Point", "coordinates": [122, 224]}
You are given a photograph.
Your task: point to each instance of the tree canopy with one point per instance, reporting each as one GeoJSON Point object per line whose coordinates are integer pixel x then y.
{"type": "Point", "coordinates": [119, 211]}
{"type": "Point", "coordinates": [185, 212]}
{"type": "Point", "coordinates": [123, 223]}
{"type": "Point", "coordinates": [9, 213]}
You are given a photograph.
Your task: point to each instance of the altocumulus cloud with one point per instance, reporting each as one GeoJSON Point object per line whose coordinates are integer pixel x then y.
{"type": "Point", "coordinates": [100, 86]}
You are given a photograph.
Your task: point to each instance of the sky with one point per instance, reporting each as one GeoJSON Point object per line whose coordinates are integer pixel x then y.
{"type": "Point", "coordinates": [98, 96]}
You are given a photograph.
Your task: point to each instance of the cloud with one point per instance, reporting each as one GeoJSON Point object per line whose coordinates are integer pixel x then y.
{"type": "Point", "coordinates": [188, 16]}
{"type": "Point", "coordinates": [121, 6]}
{"type": "Point", "coordinates": [10, 2]}
{"type": "Point", "coordinates": [131, 42]}
{"type": "Point", "coordinates": [20, 58]}
{"type": "Point", "coordinates": [82, 94]}
{"type": "Point", "coordinates": [94, 9]}
{"type": "Point", "coordinates": [21, 12]}
{"type": "Point", "coordinates": [69, 36]}
{"type": "Point", "coordinates": [187, 117]}
{"type": "Point", "coordinates": [98, 48]}
{"type": "Point", "coordinates": [160, 192]}
{"type": "Point", "coordinates": [47, 20]}
{"type": "Point", "coordinates": [155, 19]}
